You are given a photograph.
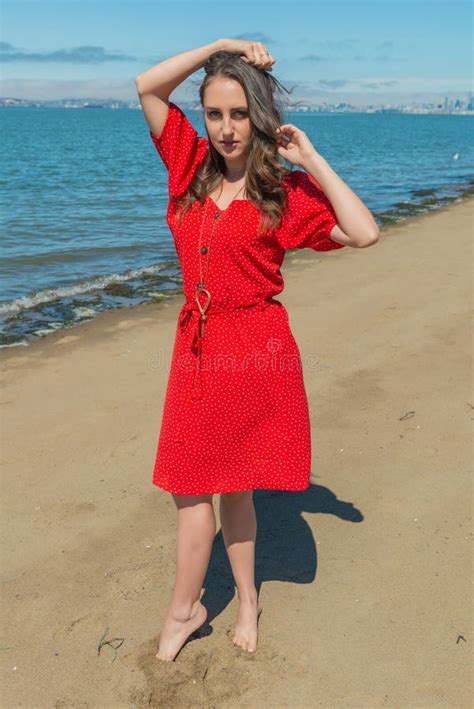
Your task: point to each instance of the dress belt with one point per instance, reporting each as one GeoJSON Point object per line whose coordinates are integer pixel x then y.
{"type": "Point", "coordinates": [190, 312]}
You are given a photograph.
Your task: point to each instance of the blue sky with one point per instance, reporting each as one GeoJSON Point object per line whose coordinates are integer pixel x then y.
{"type": "Point", "coordinates": [374, 50]}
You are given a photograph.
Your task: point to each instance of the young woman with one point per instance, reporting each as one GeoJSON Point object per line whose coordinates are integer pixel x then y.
{"type": "Point", "coordinates": [235, 416]}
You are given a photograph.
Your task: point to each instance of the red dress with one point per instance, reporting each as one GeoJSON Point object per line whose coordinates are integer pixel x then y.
{"type": "Point", "coordinates": [235, 414]}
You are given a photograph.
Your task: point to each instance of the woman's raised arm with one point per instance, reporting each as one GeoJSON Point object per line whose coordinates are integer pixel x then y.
{"type": "Point", "coordinates": [156, 84]}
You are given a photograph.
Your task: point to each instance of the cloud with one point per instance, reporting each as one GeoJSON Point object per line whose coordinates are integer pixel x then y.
{"type": "Point", "coordinates": [86, 54]}
{"type": "Point", "coordinates": [313, 58]}
{"type": "Point", "coordinates": [357, 92]}
{"type": "Point", "coordinates": [377, 85]}
{"type": "Point", "coordinates": [304, 88]}
{"type": "Point", "coordinates": [387, 44]}
{"type": "Point", "coordinates": [255, 37]}
{"type": "Point", "coordinates": [318, 58]}
{"type": "Point", "coordinates": [51, 89]}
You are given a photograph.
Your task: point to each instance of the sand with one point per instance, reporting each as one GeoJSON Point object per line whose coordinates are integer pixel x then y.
{"type": "Point", "coordinates": [366, 579]}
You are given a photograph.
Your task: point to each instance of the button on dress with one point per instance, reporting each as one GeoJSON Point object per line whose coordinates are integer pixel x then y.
{"type": "Point", "coordinates": [235, 414]}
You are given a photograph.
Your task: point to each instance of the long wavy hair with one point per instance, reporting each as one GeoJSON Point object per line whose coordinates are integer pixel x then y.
{"type": "Point", "coordinates": [265, 168]}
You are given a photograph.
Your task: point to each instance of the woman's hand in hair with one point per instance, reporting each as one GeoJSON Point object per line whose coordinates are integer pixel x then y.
{"type": "Point", "coordinates": [294, 145]}
{"type": "Point", "coordinates": [250, 52]}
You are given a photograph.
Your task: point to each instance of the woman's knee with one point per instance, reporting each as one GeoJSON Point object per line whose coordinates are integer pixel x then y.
{"type": "Point", "coordinates": [182, 501]}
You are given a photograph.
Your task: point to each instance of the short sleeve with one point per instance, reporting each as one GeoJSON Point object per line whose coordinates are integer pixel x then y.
{"type": "Point", "coordinates": [180, 148]}
{"type": "Point", "coordinates": [309, 216]}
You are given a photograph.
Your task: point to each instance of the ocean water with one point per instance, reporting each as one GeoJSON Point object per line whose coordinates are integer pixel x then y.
{"type": "Point", "coordinates": [84, 196]}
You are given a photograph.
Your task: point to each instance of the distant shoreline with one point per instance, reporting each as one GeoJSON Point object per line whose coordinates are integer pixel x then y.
{"type": "Point", "coordinates": [339, 107]}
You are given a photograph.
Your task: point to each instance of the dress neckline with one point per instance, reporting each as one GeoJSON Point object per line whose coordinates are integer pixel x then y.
{"type": "Point", "coordinates": [228, 206]}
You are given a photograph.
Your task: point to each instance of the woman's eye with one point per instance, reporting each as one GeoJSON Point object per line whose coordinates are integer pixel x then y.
{"type": "Point", "coordinates": [216, 113]}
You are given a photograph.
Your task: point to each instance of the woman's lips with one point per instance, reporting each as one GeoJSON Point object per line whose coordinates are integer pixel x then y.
{"type": "Point", "coordinates": [229, 145]}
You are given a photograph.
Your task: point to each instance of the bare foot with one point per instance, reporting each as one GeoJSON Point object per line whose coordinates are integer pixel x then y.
{"type": "Point", "coordinates": [175, 632]}
{"type": "Point", "coordinates": [245, 630]}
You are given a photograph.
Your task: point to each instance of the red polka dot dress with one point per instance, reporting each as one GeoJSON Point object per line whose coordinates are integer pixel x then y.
{"type": "Point", "coordinates": [235, 414]}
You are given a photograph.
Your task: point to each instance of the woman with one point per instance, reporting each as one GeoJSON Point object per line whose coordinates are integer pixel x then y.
{"type": "Point", "coordinates": [235, 416]}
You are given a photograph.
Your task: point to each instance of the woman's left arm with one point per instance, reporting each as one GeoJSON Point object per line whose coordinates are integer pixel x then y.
{"type": "Point", "coordinates": [355, 224]}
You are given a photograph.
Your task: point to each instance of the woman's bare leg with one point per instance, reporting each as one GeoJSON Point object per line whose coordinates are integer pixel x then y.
{"type": "Point", "coordinates": [195, 537]}
{"type": "Point", "coordinates": [239, 530]}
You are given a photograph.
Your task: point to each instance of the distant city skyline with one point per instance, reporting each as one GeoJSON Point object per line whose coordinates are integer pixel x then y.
{"type": "Point", "coordinates": [370, 52]}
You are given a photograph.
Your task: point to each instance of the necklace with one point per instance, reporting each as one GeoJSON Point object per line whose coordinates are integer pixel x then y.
{"type": "Point", "coordinates": [201, 286]}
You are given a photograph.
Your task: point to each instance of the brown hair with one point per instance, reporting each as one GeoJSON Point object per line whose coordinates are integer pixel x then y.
{"type": "Point", "coordinates": [265, 170]}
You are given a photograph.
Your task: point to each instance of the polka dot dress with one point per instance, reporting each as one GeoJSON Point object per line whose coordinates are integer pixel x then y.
{"type": "Point", "coordinates": [235, 414]}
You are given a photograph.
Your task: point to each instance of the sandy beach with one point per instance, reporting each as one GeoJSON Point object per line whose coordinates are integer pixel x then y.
{"type": "Point", "coordinates": [366, 578]}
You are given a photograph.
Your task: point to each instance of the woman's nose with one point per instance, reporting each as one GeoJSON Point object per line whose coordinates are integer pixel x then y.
{"type": "Point", "coordinates": [227, 125]}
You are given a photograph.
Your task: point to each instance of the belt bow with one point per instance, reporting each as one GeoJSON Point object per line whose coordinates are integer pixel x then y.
{"type": "Point", "coordinates": [190, 311]}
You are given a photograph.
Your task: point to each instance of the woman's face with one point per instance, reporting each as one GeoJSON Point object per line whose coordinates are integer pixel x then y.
{"type": "Point", "coordinates": [227, 119]}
